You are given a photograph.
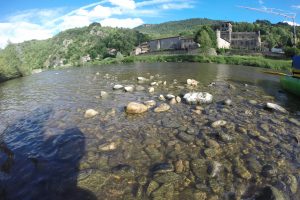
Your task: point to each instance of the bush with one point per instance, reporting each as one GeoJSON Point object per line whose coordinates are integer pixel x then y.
{"type": "Point", "coordinates": [291, 51]}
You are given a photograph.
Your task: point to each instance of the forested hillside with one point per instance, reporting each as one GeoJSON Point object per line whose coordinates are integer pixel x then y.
{"type": "Point", "coordinates": [70, 47]}
{"type": "Point", "coordinates": [184, 27]}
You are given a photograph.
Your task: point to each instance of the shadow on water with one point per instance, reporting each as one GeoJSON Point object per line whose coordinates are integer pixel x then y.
{"type": "Point", "coordinates": [37, 166]}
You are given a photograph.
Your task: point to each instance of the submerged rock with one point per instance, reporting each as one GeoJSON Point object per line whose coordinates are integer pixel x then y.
{"type": "Point", "coordinates": [139, 88]}
{"type": "Point", "coordinates": [268, 171]}
{"type": "Point", "coordinates": [166, 191]}
{"type": "Point", "coordinates": [179, 167]}
{"type": "Point", "coordinates": [198, 97]}
{"type": "Point", "coordinates": [273, 106]}
{"type": "Point", "coordinates": [90, 113]}
{"type": "Point", "coordinates": [162, 108]}
{"type": "Point", "coordinates": [123, 168]}
{"type": "Point", "coordinates": [108, 147]}
{"type": "Point", "coordinates": [186, 137]}
{"type": "Point", "coordinates": [162, 168]}
{"type": "Point", "coordinates": [270, 192]}
{"type": "Point", "coordinates": [199, 168]}
{"type": "Point", "coordinates": [218, 123]}
{"type": "Point", "coordinates": [153, 185]}
{"type": "Point", "coordinates": [136, 108]}
{"type": "Point", "coordinates": [214, 168]}
{"type": "Point", "coordinates": [168, 177]}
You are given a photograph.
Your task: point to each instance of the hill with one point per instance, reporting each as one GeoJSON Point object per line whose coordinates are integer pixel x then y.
{"type": "Point", "coordinates": [184, 27]}
{"type": "Point", "coordinates": [69, 48]}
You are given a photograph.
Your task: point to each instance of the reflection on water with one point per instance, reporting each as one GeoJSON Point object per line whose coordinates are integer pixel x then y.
{"type": "Point", "coordinates": [50, 151]}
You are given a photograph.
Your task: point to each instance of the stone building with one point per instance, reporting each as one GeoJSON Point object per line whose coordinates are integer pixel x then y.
{"type": "Point", "coordinates": [172, 43]}
{"type": "Point", "coordinates": [226, 38]}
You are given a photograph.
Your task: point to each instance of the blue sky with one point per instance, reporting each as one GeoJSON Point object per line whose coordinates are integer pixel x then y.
{"type": "Point", "coordinates": [40, 19]}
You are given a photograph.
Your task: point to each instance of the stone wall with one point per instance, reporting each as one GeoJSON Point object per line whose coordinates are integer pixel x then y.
{"type": "Point", "coordinates": [165, 44]}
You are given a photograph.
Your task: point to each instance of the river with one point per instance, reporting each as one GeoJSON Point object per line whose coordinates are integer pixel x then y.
{"type": "Point", "coordinates": [49, 150]}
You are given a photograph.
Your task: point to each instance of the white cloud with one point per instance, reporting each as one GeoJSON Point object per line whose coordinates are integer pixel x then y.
{"type": "Point", "coordinates": [122, 23]}
{"type": "Point", "coordinates": [296, 6]}
{"type": "Point", "coordinates": [21, 31]}
{"type": "Point", "coordinates": [74, 21]}
{"type": "Point", "coordinates": [291, 23]}
{"type": "Point", "coordinates": [129, 4]}
{"type": "Point", "coordinates": [172, 6]}
{"type": "Point", "coordinates": [44, 23]}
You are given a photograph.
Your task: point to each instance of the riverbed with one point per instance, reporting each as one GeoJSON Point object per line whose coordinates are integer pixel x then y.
{"type": "Point", "coordinates": [49, 150]}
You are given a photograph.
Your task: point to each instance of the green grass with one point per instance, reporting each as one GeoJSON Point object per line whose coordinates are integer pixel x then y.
{"type": "Point", "coordinates": [255, 61]}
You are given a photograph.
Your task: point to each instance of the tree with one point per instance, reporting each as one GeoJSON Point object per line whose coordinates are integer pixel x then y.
{"type": "Point", "coordinates": [205, 40]}
{"type": "Point", "coordinates": [206, 37]}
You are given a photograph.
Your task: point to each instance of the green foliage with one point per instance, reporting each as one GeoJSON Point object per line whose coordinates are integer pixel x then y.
{"type": "Point", "coordinates": [184, 28]}
{"type": "Point", "coordinates": [291, 51]}
{"type": "Point", "coordinates": [66, 49]}
{"type": "Point", "coordinates": [206, 37]}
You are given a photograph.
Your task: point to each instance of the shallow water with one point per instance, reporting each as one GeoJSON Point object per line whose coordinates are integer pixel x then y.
{"type": "Point", "coordinates": [50, 151]}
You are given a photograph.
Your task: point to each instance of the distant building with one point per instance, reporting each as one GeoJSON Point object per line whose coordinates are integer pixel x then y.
{"type": "Point", "coordinates": [141, 49]}
{"type": "Point", "coordinates": [172, 43]}
{"type": "Point", "coordinates": [226, 38]}
{"type": "Point", "coordinates": [277, 50]}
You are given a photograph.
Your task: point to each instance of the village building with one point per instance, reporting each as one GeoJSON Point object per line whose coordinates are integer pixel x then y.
{"type": "Point", "coordinates": [172, 43]}
{"type": "Point", "coordinates": [226, 38]}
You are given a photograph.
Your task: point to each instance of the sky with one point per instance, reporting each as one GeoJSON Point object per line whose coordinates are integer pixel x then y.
{"type": "Point", "coordinates": [41, 19]}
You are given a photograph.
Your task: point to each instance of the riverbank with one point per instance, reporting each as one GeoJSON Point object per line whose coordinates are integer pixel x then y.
{"type": "Point", "coordinates": [255, 61]}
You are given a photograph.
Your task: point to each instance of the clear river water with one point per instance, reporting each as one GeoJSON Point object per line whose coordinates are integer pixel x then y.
{"type": "Point", "coordinates": [49, 150]}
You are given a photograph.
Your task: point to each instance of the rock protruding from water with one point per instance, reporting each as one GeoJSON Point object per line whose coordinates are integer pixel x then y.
{"type": "Point", "coordinates": [150, 103]}
{"type": "Point", "coordinates": [90, 113]}
{"type": "Point", "coordinates": [118, 87]}
{"type": "Point", "coordinates": [162, 108]}
{"type": "Point", "coordinates": [198, 98]}
{"type": "Point", "coordinates": [192, 82]}
{"type": "Point", "coordinates": [151, 89]}
{"type": "Point", "coordinates": [103, 94]}
{"type": "Point", "coordinates": [136, 108]}
{"type": "Point", "coordinates": [273, 106]}
{"type": "Point", "coordinates": [128, 89]}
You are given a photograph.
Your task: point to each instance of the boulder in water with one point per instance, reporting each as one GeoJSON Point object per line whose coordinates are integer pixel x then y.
{"type": "Point", "coordinates": [136, 108]}
{"type": "Point", "coordinates": [192, 82]}
{"type": "Point", "coordinates": [273, 106]}
{"type": "Point", "coordinates": [90, 113]}
{"type": "Point", "coordinates": [162, 108]}
{"type": "Point", "coordinates": [198, 97]}
{"type": "Point", "coordinates": [118, 87]}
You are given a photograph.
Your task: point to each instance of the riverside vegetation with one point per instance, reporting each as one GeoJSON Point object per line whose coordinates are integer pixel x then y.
{"type": "Point", "coordinates": [101, 44]}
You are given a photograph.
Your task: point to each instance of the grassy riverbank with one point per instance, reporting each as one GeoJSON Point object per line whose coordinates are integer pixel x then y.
{"type": "Point", "coordinates": [256, 61]}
